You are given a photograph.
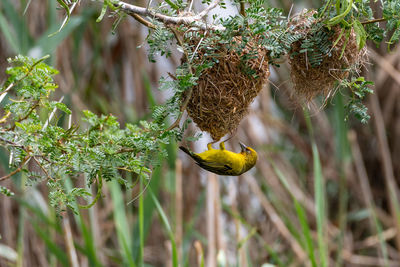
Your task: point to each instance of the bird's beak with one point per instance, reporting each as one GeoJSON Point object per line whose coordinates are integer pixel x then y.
{"type": "Point", "coordinates": [243, 147]}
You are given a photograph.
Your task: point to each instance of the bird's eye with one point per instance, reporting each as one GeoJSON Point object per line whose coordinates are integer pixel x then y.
{"type": "Point", "coordinates": [248, 151]}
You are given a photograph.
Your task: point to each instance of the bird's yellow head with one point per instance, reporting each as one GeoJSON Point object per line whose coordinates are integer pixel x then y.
{"type": "Point", "coordinates": [250, 156]}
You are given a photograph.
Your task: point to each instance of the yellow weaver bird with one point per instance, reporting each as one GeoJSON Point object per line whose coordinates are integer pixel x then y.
{"type": "Point", "coordinates": [224, 162]}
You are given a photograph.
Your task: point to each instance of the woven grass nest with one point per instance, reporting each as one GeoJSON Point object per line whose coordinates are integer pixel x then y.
{"type": "Point", "coordinates": [311, 81]}
{"type": "Point", "coordinates": [224, 92]}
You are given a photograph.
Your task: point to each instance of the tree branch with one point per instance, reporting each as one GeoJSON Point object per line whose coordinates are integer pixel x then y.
{"type": "Point", "coordinates": [43, 169]}
{"type": "Point", "coordinates": [193, 20]}
{"type": "Point", "coordinates": [242, 8]}
{"type": "Point", "coordinates": [143, 21]}
{"type": "Point", "coordinates": [26, 159]}
{"type": "Point", "coordinates": [11, 143]}
{"type": "Point", "coordinates": [373, 21]}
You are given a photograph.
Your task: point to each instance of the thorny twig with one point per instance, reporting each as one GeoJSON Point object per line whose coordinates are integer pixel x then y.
{"type": "Point", "coordinates": [43, 169]}
{"type": "Point", "coordinates": [11, 143]}
{"type": "Point", "coordinates": [26, 159]}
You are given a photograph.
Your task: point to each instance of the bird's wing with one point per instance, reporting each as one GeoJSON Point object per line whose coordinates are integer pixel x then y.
{"type": "Point", "coordinates": [209, 165]}
{"type": "Point", "coordinates": [215, 167]}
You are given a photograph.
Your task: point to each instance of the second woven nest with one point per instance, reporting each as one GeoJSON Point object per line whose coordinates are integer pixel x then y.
{"type": "Point", "coordinates": [224, 92]}
{"type": "Point", "coordinates": [343, 58]}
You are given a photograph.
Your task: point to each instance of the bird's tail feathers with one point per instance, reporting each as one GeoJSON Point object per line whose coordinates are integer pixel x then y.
{"type": "Point", "coordinates": [190, 153]}
{"type": "Point", "coordinates": [184, 149]}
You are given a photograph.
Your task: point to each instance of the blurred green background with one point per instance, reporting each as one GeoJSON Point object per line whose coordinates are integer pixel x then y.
{"type": "Point", "coordinates": [319, 195]}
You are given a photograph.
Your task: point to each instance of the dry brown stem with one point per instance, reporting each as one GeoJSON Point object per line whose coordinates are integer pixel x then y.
{"type": "Point", "coordinates": [387, 166]}
{"type": "Point", "coordinates": [275, 218]}
{"type": "Point", "coordinates": [211, 217]}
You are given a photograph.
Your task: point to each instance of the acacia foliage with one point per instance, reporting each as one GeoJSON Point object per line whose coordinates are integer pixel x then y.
{"type": "Point", "coordinates": [31, 130]}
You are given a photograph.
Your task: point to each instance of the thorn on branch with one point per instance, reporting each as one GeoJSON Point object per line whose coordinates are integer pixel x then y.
{"type": "Point", "coordinates": [143, 21]}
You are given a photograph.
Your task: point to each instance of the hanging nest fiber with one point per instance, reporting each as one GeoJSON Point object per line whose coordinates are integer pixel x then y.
{"type": "Point", "coordinates": [333, 56]}
{"type": "Point", "coordinates": [224, 92]}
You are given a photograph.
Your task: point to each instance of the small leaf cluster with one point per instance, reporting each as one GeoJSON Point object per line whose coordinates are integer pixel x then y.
{"type": "Point", "coordinates": [183, 80]}
{"type": "Point", "coordinates": [103, 150]}
{"type": "Point", "coordinates": [352, 17]}
{"type": "Point", "coordinates": [159, 41]}
{"type": "Point", "coordinates": [359, 88]}
{"type": "Point", "coordinates": [316, 45]}
{"type": "Point", "coordinates": [358, 15]}
{"type": "Point", "coordinates": [33, 82]}
{"type": "Point", "coordinates": [264, 25]}
{"type": "Point", "coordinates": [392, 15]}
{"type": "Point", "coordinates": [5, 191]}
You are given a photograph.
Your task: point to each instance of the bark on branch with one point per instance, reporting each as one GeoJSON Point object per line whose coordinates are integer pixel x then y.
{"type": "Point", "coordinates": [192, 20]}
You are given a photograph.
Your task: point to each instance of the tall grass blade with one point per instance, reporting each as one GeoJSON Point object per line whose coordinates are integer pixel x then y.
{"type": "Point", "coordinates": [167, 226]}
{"type": "Point", "coordinates": [121, 223]}
{"type": "Point", "coordinates": [301, 215]}
{"type": "Point", "coordinates": [319, 189]}
{"type": "Point", "coordinates": [88, 247]}
{"type": "Point", "coordinates": [47, 45]}
{"type": "Point", "coordinates": [148, 209]}
{"type": "Point", "coordinates": [141, 224]}
{"type": "Point", "coordinates": [21, 39]}
{"type": "Point", "coordinates": [8, 34]}
{"type": "Point", "coordinates": [20, 238]}
{"type": "Point", "coordinates": [51, 246]}
{"type": "Point", "coordinates": [305, 227]}
{"type": "Point", "coordinates": [343, 155]}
